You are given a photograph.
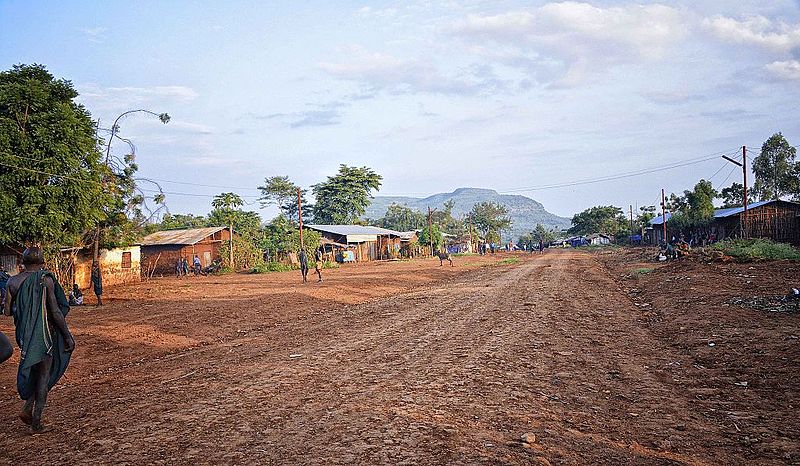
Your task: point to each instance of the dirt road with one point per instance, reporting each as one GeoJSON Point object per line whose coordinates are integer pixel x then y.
{"type": "Point", "coordinates": [394, 363]}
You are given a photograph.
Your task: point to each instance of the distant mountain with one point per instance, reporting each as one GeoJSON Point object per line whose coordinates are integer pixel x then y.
{"type": "Point", "coordinates": [524, 211]}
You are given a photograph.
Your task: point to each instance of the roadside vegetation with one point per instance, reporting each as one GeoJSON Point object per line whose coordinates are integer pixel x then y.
{"type": "Point", "coordinates": [757, 249]}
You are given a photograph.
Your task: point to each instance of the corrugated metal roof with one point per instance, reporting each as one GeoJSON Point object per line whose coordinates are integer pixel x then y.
{"type": "Point", "coordinates": [190, 236]}
{"type": "Point", "coordinates": [718, 213]}
{"type": "Point", "coordinates": [346, 230]}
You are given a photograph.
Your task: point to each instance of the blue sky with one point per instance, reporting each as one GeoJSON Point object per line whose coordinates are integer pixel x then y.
{"type": "Point", "coordinates": [432, 95]}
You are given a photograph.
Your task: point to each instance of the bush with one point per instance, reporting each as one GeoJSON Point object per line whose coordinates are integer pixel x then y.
{"type": "Point", "coordinates": [268, 267]}
{"type": "Point", "coordinates": [757, 249]}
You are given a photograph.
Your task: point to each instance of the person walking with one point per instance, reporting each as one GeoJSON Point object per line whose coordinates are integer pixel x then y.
{"type": "Point", "coordinates": [198, 267]}
{"type": "Point", "coordinates": [303, 265]}
{"type": "Point", "coordinates": [318, 258]}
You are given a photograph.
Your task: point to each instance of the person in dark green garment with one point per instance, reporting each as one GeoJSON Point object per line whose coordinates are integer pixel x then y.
{"type": "Point", "coordinates": [39, 306]}
{"type": "Point", "coordinates": [97, 282]}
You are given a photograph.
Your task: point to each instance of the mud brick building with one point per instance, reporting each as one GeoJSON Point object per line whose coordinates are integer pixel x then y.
{"type": "Point", "coordinates": [162, 249]}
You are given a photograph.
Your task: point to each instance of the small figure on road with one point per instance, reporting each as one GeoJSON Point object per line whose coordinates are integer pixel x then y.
{"type": "Point", "coordinates": [185, 265]}
{"type": "Point", "coordinates": [541, 246]}
{"type": "Point", "coordinates": [303, 265]}
{"type": "Point", "coordinates": [97, 282]}
{"type": "Point", "coordinates": [179, 268]}
{"type": "Point", "coordinates": [318, 258]}
{"type": "Point", "coordinates": [39, 307]}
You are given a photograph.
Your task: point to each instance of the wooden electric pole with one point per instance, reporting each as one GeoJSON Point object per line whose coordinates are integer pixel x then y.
{"type": "Point", "coordinates": [744, 200]}
{"type": "Point", "coordinates": [300, 218]}
{"type": "Point", "coordinates": [664, 215]}
{"type": "Point", "coordinates": [630, 236]}
{"type": "Point", "coordinates": [430, 228]}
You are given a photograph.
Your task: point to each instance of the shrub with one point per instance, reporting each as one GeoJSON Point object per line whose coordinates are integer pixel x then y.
{"type": "Point", "coordinates": [757, 249]}
{"type": "Point", "coordinates": [271, 267]}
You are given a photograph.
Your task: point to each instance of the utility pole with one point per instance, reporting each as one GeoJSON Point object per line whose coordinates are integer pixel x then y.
{"type": "Point", "coordinates": [300, 218]}
{"type": "Point", "coordinates": [470, 232]}
{"type": "Point", "coordinates": [430, 228]}
{"type": "Point", "coordinates": [744, 200]}
{"type": "Point", "coordinates": [743, 164]}
{"type": "Point", "coordinates": [664, 215]}
{"type": "Point", "coordinates": [630, 236]}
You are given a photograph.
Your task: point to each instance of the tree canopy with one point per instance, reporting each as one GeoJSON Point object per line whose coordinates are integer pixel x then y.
{"type": "Point", "coordinates": [608, 220]}
{"type": "Point", "coordinates": [776, 171]}
{"type": "Point", "coordinates": [51, 170]}
{"type": "Point", "coordinates": [401, 218]}
{"type": "Point", "coordinates": [280, 191]}
{"type": "Point", "coordinates": [490, 219]}
{"type": "Point", "coordinates": [694, 208]}
{"type": "Point", "coordinates": [344, 197]}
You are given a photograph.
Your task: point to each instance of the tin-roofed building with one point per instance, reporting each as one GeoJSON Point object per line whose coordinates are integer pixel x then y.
{"type": "Point", "coordinates": [162, 249]}
{"type": "Point", "coordinates": [776, 219]}
{"type": "Point", "coordinates": [366, 242]}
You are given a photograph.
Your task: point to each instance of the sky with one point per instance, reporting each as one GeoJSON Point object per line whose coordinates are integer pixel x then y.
{"type": "Point", "coordinates": [520, 97]}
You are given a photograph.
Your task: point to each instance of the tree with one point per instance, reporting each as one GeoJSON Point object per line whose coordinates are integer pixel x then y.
{"type": "Point", "coordinates": [697, 208]}
{"type": "Point", "coordinates": [51, 169]}
{"type": "Point", "coordinates": [646, 213]}
{"type": "Point", "coordinates": [540, 233]}
{"type": "Point", "coordinates": [733, 196]}
{"type": "Point", "coordinates": [402, 218]}
{"type": "Point", "coordinates": [279, 190]}
{"type": "Point", "coordinates": [490, 219]}
{"type": "Point", "coordinates": [426, 234]}
{"type": "Point", "coordinates": [776, 171]}
{"type": "Point", "coordinates": [228, 203]}
{"type": "Point", "coordinates": [181, 221]}
{"type": "Point", "coordinates": [344, 197]}
{"type": "Point", "coordinates": [608, 220]}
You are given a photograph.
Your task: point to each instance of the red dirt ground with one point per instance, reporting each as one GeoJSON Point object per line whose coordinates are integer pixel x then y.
{"type": "Point", "coordinates": [412, 363]}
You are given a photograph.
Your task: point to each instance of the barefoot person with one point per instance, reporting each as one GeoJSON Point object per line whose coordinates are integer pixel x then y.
{"type": "Point", "coordinates": [39, 306]}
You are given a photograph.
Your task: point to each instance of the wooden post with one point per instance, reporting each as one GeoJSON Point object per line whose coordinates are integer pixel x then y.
{"type": "Point", "coordinates": [630, 235]}
{"type": "Point", "coordinates": [430, 228]}
{"type": "Point", "coordinates": [300, 218]}
{"type": "Point", "coordinates": [744, 200]}
{"type": "Point", "coordinates": [664, 215]}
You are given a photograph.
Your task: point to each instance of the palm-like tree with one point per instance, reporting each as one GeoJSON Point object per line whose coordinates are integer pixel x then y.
{"type": "Point", "coordinates": [228, 203]}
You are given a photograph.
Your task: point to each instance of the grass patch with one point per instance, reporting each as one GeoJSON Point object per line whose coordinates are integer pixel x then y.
{"type": "Point", "coordinates": [509, 261]}
{"type": "Point", "coordinates": [463, 254]}
{"type": "Point", "coordinates": [757, 249]}
{"type": "Point", "coordinates": [642, 270]}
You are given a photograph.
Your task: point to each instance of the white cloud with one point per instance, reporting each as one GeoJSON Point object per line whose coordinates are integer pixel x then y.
{"type": "Point", "coordinates": [115, 99]}
{"type": "Point", "coordinates": [95, 34]}
{"type": "Point", "coordinates": [379, 71]}
{"type": "Point", "coordinates": [755, 30]}
{"type": "Point", "coordinates": [789, 69]}
{"type": "Point", "coordinates": [583, 38]}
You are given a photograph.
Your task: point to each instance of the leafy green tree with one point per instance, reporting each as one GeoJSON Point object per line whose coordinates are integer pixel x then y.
{"type": "Point", "coordinates": [426, 234]}
{"type": "Point", "coordinates": [444, 218]}
{"type": "Point", "coordinates": [608, 220]}
{"type": "Point", "coordinates": [776, 171]}
{"type": "Point", "coordinates": [541, 233]}
{"type": "Point", "coordinates": [344, 197]}
{"type": "Point", "coordinates": [490, 219]}
{"type": "Point", "coordinates": [51, 169]}
{"type": "Point", "coordinates": [181, 221]}
{"type": "Point", "coordinates": [402, 218]}
{"type": "Point", "coordinates": [733, 196]}
{"type": "Point", "coordinates": [646, 213]}
{"type": "Point", "coordinates": [228, 204]}
{"type": "Point", "coordinates": [245, 223]}
{"type": "Point", "coordinates": [698, 208]}
{"type": "Point", "coordinates": [280, 191]}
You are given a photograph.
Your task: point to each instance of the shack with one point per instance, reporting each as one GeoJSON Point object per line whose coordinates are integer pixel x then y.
{"type": "Point", "coordinates": [777, 220]}
{"type": "Point", "coordinates": [162, 249]}
{"type": "Point", "coordinates": [118, 265]}
{"type": "Point", "coordinates": [366, 242]}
